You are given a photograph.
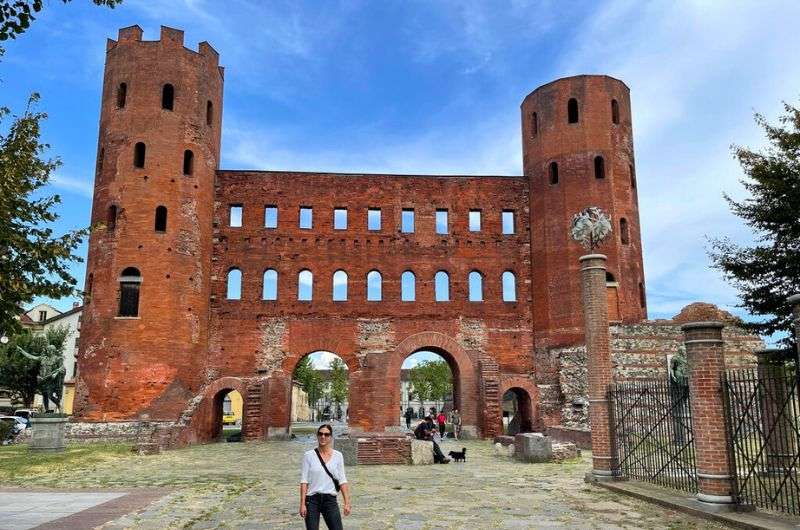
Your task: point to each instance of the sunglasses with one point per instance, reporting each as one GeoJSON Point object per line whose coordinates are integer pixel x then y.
{"type": "Point", "coordinates": [324, 434]}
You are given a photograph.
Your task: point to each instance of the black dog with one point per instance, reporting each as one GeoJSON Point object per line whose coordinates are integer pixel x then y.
{"type": "Point", "coordinates": [459, 457]}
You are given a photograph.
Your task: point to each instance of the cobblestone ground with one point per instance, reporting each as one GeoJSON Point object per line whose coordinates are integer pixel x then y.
{"type": "Point", "coordinates": [256, 486]}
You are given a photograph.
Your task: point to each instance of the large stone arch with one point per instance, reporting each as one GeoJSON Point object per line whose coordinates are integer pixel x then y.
{"type": "Point", "coordinates": [528, 387]}
{"type": "Point", "coordinates": [465, 385]}
{"type": "Point", "coordinates": [206, 421]}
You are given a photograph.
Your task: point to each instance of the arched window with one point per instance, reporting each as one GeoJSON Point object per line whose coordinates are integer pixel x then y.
{"type": "Point", "coordinates": [572, 110]}
{"type": "Point", "coordinates": [534, 124]}
{"type": "Point", "coordinates": [87, 289]}
{"type": "Point", "coordinates": [122, 95]}
{"type": "Point", "coordinates": [614, 111]}
{"type": "Point", "coordinates": [209, 113]}
{"type": "Point", "coordinates": [305, 286]}
{"type": "Point", "coordinates": [553, 173]}
{"type": "Point", "coordinates": [509, 287]}
{"type": "Point", "coordinates": [475, 286]}
{"type": "Point", "coordinates": [111, 217]}
{"type": "Point", "coordinates": [130, 282]}
{"type": "Point", "coordinates": [188, 162]}
{"type": "Point", "coordinates": [161, 219]}
{"type": "Point", "coordinates": [269, 291]}
{"type": "Point", "coordinates": [624, 233]}
{"type": "Point", "coordinates": [138, 154]}
{"type": "Point", "coordinates": [633, 175]}
{"type": "Point", "coordinates": [610, 278]}
{"type": "Point", "coordinates": [374, 287]}
{"type": "Point", "coordinates": [339, 286]}
{"type": "Point", "coordinates": [167, 97]}
{"type": "Point", "coordinates": [599, 167]}
{"type": "Point", "coordinates": [234, 289]}
{"type": "Point", "coordinates": [442, 286]}
{"type": "Point", "coordinates": [408, 289]}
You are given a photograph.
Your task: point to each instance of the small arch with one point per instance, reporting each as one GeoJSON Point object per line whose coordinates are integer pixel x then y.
{"type": "Point", "coordinates": [167, 97]}
{"type": "Point", "coordinates": [553, 173]}
{"type": "Point", "coordinates": [269, 289]}
{"type": "Point", "coordinates": [305, 285]}
{"type": "Point", "coordinates": [624, 233]}
{"type": "Point", "coordinates": [122, 95]}
{"type": "Point", "coordinates": [139, 152]}
{"type": "Point", "coordinates": [475, 286]}
{"type": "Point", "coordinates": [614, 111]}
{"type": "Point", "coordinates": [599, 167]}
{"type": "Point", "coordinates": [340, 286]}
{"type": "Point", "coordinates": [374, 286]}
{"type": "Point", "coordinates": [111, 217]}
{"type": "Point", "coordinates": [234, 287]}
{"type": "Point", "coordinates": [129, 286]}
{"type": "Point", "coordinates": [572, 110]}
{"type": "Point", "coordinates": [517, 411]}
{"type": "Point", "coordinates": [408, 290]}
{"type": "Point", "coordinates": [509, 281]}
{"type": "Point", "coordinates": [161, 219]}
{"type": "Point", "coordinates": [534, 124]}
{"type": "Point", "coordinates": [441, 281]}
{"type": "Point", "coordinates": [209, 113]}
{"type": "Point", "coordinates": [632, 173]}
{"type": "Point", "coordinates": [188, 162]}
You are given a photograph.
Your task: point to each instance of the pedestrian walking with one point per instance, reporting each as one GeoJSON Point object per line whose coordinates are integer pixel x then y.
{"type": "Point", "coordinates": [321, 479]}
{"type": "Point", "coordinates": [441, 419]}
{"type": "Point", "coordinates": [409, 413]}
{"type": "Point", "coordinates": [455, 419]}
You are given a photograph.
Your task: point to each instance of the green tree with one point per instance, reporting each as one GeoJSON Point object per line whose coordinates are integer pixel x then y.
{"type": "Point", "coordinates": [339, 377]}
{"type": "Point", "coordinates": [18, 373]}
{"type": "Point", "coordinates": [768, 272]}
{"type": "Point", "coordinates": [16, 15]}
{"type": "Point", "coordinates": [310, 380]}
{"type": "Point", "coordinates": [33, 262]}
{"type": "Point", "coordinates": [431, 380]}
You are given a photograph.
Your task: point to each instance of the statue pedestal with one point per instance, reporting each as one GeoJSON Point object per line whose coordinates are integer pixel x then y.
{"type": "Point", "coordinates": [48, 434]}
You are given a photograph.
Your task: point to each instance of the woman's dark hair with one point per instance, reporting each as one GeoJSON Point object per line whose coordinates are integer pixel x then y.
{"type": "Point", "coordinates": [325, 426]}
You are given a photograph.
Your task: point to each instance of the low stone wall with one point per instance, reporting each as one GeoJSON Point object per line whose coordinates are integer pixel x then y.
{"type": "Point", "coordinates": [375, 448]}
{"type": "Point", "coordinates": [117, 431]}
{"type": "Point", "coordinates": [582, 438]}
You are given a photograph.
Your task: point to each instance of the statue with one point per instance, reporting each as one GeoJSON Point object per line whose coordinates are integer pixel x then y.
{"type": "Point", "coordinates": [51, 374]}
{"type": "Point", "coordinates": [590, 228]}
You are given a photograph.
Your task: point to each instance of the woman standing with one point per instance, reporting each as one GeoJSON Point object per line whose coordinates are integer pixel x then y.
{"type": "Point", "coordinates": [322, 477]}
{"type": "Point", "coordinates": [455, 419]}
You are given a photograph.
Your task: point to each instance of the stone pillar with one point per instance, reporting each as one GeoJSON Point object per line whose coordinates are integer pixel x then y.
{"type": "Point", "coordinates": [706, 366]}
{"type": "Point", "coordinates": [598, 363]}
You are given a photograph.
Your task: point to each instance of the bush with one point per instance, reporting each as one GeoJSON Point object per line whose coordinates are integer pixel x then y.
{"type": "Point", "coordinates": [5, 431]}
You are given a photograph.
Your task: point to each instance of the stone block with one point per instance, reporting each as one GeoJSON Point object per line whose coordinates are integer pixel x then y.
{"type": "Point", "coordinates": [349, 449]}
{"type": "Point", "coordinates": [503, 450]}
{"type": "Point", "coordinates": [504, 440]}
{"type": "Point", "coordinates": [48, 434]}
{"type": "Point", "coordinates": [533, 447]}
{"type": "Point", "coordinates": [421, 452]}
{"type": "Point", "coordinates": [565, 451]}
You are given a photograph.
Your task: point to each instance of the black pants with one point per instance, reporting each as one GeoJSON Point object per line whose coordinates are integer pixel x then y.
{"type": "Point", "coordinates": [326, 505]}
{"type": "Point", "coordinates": [441, 429]}
{"type": "Point", "coordinates": [408, 423]}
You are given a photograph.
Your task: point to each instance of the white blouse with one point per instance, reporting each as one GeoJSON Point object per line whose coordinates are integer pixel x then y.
{"type": "Point", "coordinates": [314, 475]}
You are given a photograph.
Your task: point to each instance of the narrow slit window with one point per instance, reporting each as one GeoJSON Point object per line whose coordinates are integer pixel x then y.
{"type": "Point", "coordinates": [599, 167]}
{"type": "Point", "coordinates": [407, 221]}
{"type": "Point", "coordinates": [139, 151]}
{"type": "Point", "coordinates": [553, 173]}
{"type": "Point", "coordinates": [475, 286]}
{"type": "Point", "coordinates": [270, 216]}
{"type": "Point", "coordinates": [130, 282]}
{"type": "Point", "coordinates": [209, 113]}
{"type": "Point", "coordinates": [235, 217]}
{"type": "Point", "coordinates": [442, 226]}
{"type": "Point", "coordinates": [642, 298]}
{"type": "Point", "coordinates": [614, 111]}
{"type": "Point", "coordinates": [442, 286]}
{"type": "Point", "coordinates": [305, 286]}
{"type": "Point", "coordinates": [408, 292]}
{"type": "Point", "coordinates": [111, 217]}
{"type": "Point", "coordinates": [509, 287]}
{"type": "Point", "coordinates": [122, 95]}
{"type": "Point", "coordinates": [474, 220]}
{"type": "Point", "coordinates": [306, 217]}
{"type": "Point", "coordinates": [508, 222]}
{"type": "Point", "coordinates": [374, 286]}
{"type": "Point", "coordinates": [188, 162]}
{"type": "Point", "coordinates": [374, 219]}
{"type": "Point", "coordinates": [168, 97]}
{"type": "Point", "coordinates": [624, 232]}
{"type": "Point", "coordinates": [161, 219]}
{"type": "Point", "coordinates": [340, 286]}
{"type": "Point", "coordinates": [340, 218]}
{"type": "Point", "coordinates": [234, 285]}
{"type": "Point", "coordinates": [572, 110]}
{"type": "Point", "coordinates": [269, 290]}
{"type": "Point", "coordinates": [633, 175]}
{"type": "Point", "coordinates": [534, 125]}
{"type": "Point", "coordinates": [100, 159]}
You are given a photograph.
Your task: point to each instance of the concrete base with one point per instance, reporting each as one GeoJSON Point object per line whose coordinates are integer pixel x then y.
{"type": "Point", "coordinates": [591, 477]}
{"type": "Point", "coordinates": [48, 434]}
{"type": "Point", "coordinates": [421, 452]}
{"type": "Point", "coordinates": [533, 447]}
{"type": "Point", "coordinates": [278, 433]}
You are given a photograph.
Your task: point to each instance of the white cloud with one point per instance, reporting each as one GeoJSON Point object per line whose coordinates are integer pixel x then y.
{"type": "Point", "coordinates": [82, 187]}
{"type": "Point", "coordinates": [321, 360]}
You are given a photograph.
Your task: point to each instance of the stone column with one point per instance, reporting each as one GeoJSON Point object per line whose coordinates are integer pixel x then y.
{"type": "Point", "coordinates": [706, 366]}
{"type": "Point", "coordinates": [598, 363]}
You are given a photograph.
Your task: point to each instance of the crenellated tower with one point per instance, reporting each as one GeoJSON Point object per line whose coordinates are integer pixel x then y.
{"type": "Point", "coordinates": [144, 335]}
{"type": "Point", "coordinates": [578, 152]}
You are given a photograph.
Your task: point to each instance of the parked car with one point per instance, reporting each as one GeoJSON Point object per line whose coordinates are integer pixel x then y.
{"type": "Point", "coordinates": [17, 424]}
{"type": "Point", "coordinates": [229, 419]}
{"type": "Point", "coordinates": [25, 413]}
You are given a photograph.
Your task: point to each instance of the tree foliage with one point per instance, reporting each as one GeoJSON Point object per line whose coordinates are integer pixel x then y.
{"type": "Point", "coordinates": [310, 380]}
{"type": "Point", "coordinates": [33, 262]}
{"type": "Point", "coordinates": [768, 272]}
{"type": "Point", "coordinates": [339, 380]}
{"type": "Point", "coordinates": [16, 15]}
{"type": "Point", "coordinates": [18, 374]}
{"type": "Point", "coordinates": [432, 381]}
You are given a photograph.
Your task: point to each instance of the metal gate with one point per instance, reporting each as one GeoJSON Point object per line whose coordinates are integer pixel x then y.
{"type": "Point", "coordinates": [763, 421]}
{"type": "Point", "coordinates": [652, 433]}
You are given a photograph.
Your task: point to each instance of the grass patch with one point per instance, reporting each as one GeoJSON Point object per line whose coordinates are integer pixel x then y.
{"type": "Point", "coordinates": [18, 462]}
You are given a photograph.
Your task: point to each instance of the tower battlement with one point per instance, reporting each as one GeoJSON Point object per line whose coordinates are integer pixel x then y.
{"type": "Point", "coordinates": [169, 38]}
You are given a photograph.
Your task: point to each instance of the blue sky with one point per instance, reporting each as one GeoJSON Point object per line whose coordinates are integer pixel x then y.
{"type": "Point", "coordinates": [435, 87]}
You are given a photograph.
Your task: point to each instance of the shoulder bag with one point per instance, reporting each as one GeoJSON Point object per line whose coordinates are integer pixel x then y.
{"type": "Point", "coordinates": [321, 461]}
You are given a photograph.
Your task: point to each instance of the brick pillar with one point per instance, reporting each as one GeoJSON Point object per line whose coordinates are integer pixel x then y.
{"type": "Point", "coordinates": [794, 301]}
{"type": "Point", "coordinates": [776, 417]}
{"type": "Point", "coordinates": [706, 363]}
{"type": "Point", "coordinates": [598, 363]}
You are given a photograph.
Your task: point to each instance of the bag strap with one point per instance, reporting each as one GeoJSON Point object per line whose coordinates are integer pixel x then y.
{"type": "Point", "coordinates": [321, 461]}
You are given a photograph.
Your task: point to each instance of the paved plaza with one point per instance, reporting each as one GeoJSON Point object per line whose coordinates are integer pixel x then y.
{"type": "Point", "coordinates": [256, 486]}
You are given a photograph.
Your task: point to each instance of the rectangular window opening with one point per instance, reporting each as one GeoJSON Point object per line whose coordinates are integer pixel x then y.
{"type": "Point", "coordinates": [374, 219]}
{"type": "Point", "coordinates": [340, 218]}
{"type": "Point", "coordinates": [271, 217]}
{"type": "Point", "coordinates": [441, 222]}
{"type": "Point", "coordinates": [407, 221]}
{"type": "Point", "coordinates": [474, 220]}
{"type": "Point", "coordinates": [508, 222]}
{"type": "Point", "coordinates": [235, 219]}
{"type": "Point", "coordinates": [306, 217]}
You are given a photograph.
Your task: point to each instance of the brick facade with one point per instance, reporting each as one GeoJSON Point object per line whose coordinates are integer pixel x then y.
{"type": "Point", "coordinates": [189, 343]}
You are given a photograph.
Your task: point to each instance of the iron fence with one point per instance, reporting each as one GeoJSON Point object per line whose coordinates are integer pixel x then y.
{"type": "Point", "coordinates": [763, 421]}
{"type": "Point", "coordinates": [652, 433]}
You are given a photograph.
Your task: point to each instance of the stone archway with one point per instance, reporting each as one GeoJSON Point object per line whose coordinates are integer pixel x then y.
{"type": "Point", "coordinates": [526, 395]}
{"type": "Point", "coordinates": [206, 422]}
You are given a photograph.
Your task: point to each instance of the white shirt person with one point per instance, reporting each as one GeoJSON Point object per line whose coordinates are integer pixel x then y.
{"type": "Point", "coordinates": [318, 495]}
{"type": "Point", "coordinates": [314, 475]}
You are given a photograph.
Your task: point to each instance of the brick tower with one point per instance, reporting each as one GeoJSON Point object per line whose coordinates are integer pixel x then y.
{"type": "Point", "coordinates": [578, 152]}
{"type": "Point", "coordinates": [144, 335]}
